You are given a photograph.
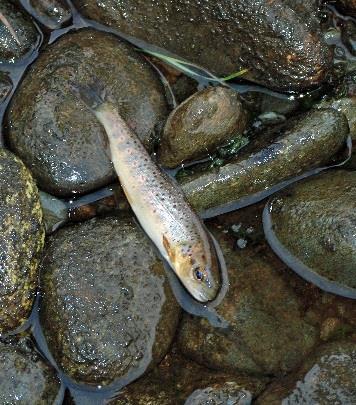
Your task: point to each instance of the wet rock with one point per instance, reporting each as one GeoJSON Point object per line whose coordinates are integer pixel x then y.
{"type": "Point", "coordinates": [5, 86]}
{"type": "Point", "coordinates": [348, 34]}
{"type": "Point", "coordinates": [108, 311]}
{"type": "Point", "coordinates": [18, 35]}
{"type": "Point", "coordinates": [279, 43]}
{"type": "Point", "coordinates": [312, 227]}
{"type": "Point", "coordinates": [56, 134]}
{"type": "Point", "coordinates": [108, 200]}
{"type": "Point", "coordinates": [344, 100]}
{"type": "Point", "coordinates": [177, 378]}
{"type": "Point", "coordinates": [52, 13]}
{"type": "Point", "coordinates": [348, 6]}
{"type": "Point", "coordinates": [24, 377]}
{"type": "Point", "coordinates": [55, 212]}
{"type": "Point", "coordinates": [228, 393]}
{"type": "Point", "coordinates": [306, 142]}
{"type": "Point", "coordinates": [267, 332]}
{"type": "Point", "coordinates": [205, 120]}
{"type": "Point", "coordinates": [332, 315]}
{"type": "Point", "coordinates": [329, 377]}
{"type": "Point", "coordinates": [21, 241]}
{"type": "Point", "coordinates": [183, 88]}
{"type": "Point", "coordinates": [283, 106]}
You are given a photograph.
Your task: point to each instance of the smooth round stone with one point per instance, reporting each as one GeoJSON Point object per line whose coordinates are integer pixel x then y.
{"type": "Point", "coordinates": [56, 134]}
{"type": "Point", "coordinates": [21, 241]}
{"type": "Point", "coordinates": [209, 118]}
{"type": "Point", "coordinates": [312, 227]}
{"type": "Point", "coordinates": [25, 378]}
{"type": "Point", "coordinates": [18, 35]}
{"type": "Point", "coordinates": [328, 377]}
{"type": "Point", "coordinates": [108, 313]}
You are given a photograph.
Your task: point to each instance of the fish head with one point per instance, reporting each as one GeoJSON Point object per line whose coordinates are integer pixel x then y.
{"type": "Point", "coordinates": [197, 269]}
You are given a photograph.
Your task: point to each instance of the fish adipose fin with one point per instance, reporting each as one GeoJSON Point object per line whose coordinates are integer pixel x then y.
{"type": "Point", "coordinates": [93, 95]}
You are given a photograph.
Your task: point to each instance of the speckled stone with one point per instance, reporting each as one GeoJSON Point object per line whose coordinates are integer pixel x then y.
{"type": "Point", "coordinates": [18, 35]}
{"type": "Point", "coordinates": [328, 377]}
{"type": "Point", "coordinates": [278, 41]}
{"type": "Point", "coordinates": [21, 241]}
{"type": "Point", "coordinates": [56, 134]}
{"type": "Point", "coordinates": [315, 222]}
{"type": "Point", "coordinates": [267, 332]}
{"type": "Point", "coordinates": [24, 377]}
{"type": "Point", "coordinates": [108, 311]}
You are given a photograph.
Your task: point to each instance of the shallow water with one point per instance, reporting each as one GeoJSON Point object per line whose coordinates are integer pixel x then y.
{"type": "Point", "coordinates": [97, 395]}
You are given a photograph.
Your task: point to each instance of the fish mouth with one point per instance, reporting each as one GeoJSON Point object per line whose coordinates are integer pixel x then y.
{"type": "Point", "coordinates": [204, 294]}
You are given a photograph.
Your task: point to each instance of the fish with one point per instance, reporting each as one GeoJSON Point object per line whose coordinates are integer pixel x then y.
{"type": "Point", "coordinates": [157, 201]}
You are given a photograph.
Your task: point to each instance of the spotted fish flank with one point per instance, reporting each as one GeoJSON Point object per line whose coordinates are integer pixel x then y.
{"type": "Point", "coordinates": [159, 204]}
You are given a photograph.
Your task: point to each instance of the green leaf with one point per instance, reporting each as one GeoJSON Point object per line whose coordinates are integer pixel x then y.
{"type": "Point", "coordinates": [186, 67]}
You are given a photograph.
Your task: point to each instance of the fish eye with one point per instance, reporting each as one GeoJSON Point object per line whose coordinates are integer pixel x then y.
{"type": "Point", "coordinates": [198, 274]}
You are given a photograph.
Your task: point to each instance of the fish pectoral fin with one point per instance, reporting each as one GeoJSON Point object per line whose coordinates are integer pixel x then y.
{"type": "Point", "coordinates": [168, 248]}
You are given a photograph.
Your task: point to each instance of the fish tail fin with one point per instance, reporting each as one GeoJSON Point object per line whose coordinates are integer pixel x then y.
{"type": "Point", "coordinates": [93, 95]}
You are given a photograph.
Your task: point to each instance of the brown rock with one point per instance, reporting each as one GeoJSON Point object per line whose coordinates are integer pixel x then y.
{"type": "Point", "coordinates": [279, 42]}
{"type": "Point", "coordinates": [207, 119]}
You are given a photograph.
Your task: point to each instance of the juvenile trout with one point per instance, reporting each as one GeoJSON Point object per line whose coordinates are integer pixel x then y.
{"type": "Point", "coordinates": [158, 204]}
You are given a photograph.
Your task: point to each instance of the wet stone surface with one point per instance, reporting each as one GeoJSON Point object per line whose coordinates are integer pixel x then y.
{"type": "Point", "coordinates": [267, 332]}
{"type": "Point", "coordinates": [279, 42]}
{"type": "Point", "coordinates": [344, 100]}
{"type": "Point", "coordinates": [328, 377]}
{"type": "Point", "coordinates": [220, 394]}
{"type": "Point", "coordinates": [21, 241]}
{"type": "Point", "coordinates": [5, 86]}
{"type": "Point", "coordinates": [56, 134]}
{"type": "Point", "coordinates": [308, 141]}
{"type": "Point", "coordinates": [315, 221]}
{"type": "Point", "coordinates": [207, 119]}
{"type": "Point", "coordinates": [348, 6]}
{"type": "Point", "coordinates": [108, 312]}
{"type": "Point", "coordinates": [52, 13]}
{"type": "Point", "coordinates": [18, 35]}
{"type": "Point", "coordinates": [332, 315]}
{"type": "Point", "coordinates": [181, 380]}
{"type": "Point", "coordinates": [24, 377]}
{"type": "Point", "coordinates": [348, 32]}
